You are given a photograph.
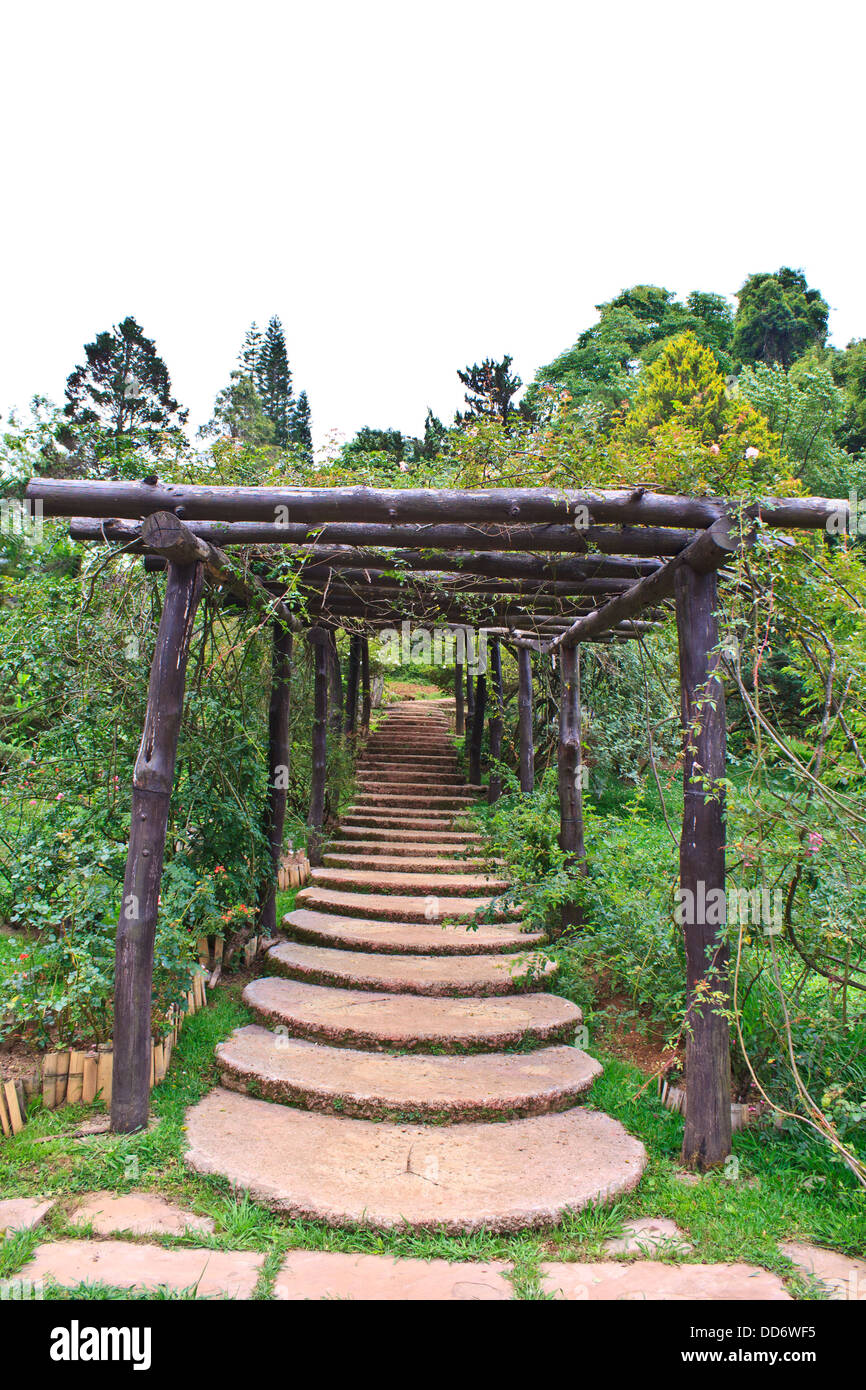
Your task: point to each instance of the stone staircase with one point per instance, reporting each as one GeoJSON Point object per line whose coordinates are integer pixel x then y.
{"type": "Point", "coordinates": [408, 1066]}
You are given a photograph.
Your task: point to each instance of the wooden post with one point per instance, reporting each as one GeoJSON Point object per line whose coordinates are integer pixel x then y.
{"type": "Point", "coordinates": [477, 733]}
{"type": "Point", "coordinates": [524, 720]}
{"type": "Point", "coordinates": [335, 680]}
{"type": "Point", "coordinates": [707, 1139]}
{"type": "Point", "coordinates": [459, 713]}
{"type": "Point", "coordinates": [152, 782]}
{"type": "Point", "coordinates": [494, 781]}
{"type": "Point", "coordinates": [365, 686]}
{"type": "Point", "coordinates": [569, 766]}
{"type": "Point", "coordinates": [321, 643]}
{"type": "Point", "coordinates": [352, 675]}
{"type": "Point", "coordinates": [470, 697]}
{"type": "Point", "coordinates": [278, 772]}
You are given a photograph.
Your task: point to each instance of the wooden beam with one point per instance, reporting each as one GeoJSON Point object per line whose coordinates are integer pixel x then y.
{"type": "Point", "coordinates": [494, 779]}
{"type": "Point", "coordinates": [352, 676]}
{"type": "Point", "coordinates": [279, 712]}
{"type": "Point", "coordinates": [708, 552]}
{"type": "Point", "coordinates": [707, 1138]}
{"type": "Point", "coordinates": [524, 721]}
{"type": "Point", "coordinates": [365, 686]}
{"type": "Point", "coordinates": [152, 781]}
{"type": "Point", "coordinates": [319, 639]}
{"type": "Point", "coordinates": [477, 732]}
{"type": "Point", "coordinates": [506, 506]}
{"type": "Point", "coordinates": [569, 769]}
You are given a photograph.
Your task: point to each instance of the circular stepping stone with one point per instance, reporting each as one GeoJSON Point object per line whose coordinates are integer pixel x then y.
{"type": "Point", "coordinates": [467, 1177]}
{"type": "Point", "coordinates": [409, 1022]}
{"type": "Point", "coordinates": [445, 884]}
{"type": "Point", "coordinates": [139, 1213]}
{"type": "Point", "coordinates": [376, 1085]}
{"type": "Point", "coordinates": [361, 934]}
{"type": "Point", "coordinates": [653, 1280]}
{"type": "Point", "coordinates": [387, 833]}
{"type": "Point", "coordinates": [394, 863]}
{"type": "Point", "coordinates": [412, 974]}
{"type": "Point", "coordinates": [393, 907]}
{"type": "Point", "coordinates": [128, 1265]}
{"type": "Point", "coordinates": [379, 1278]}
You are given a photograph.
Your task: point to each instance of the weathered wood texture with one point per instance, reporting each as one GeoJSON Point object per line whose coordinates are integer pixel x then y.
{"type": "Point", "coordinates": [366, 702]}
{"type": "Point", "coordinates": [477, 732]}
{"type": "Point", "coordinates": [152, 781]}
{"type": "Point", "coordinates": [279, 713]}
{"type": "Point", "coordinates": [526, 741]}
{"type": "Point", "coordinates": [321, 670]}
{"type": "Point", "coordinates": [707, 1139]}
{"type": "Point", "coordinates": [569, 768]}
{"type": "Point", "coordinates": [353, 671]}
{"type": "Point", "coordinates": [460, 714]}
{"type": "Point", "coordinates": [507, 506]}
{"type": "Point", "coordinates": [494, 781]}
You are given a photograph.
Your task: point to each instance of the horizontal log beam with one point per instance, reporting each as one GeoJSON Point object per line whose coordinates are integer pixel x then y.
{"type": "Point", "coordinates": [505, 506]}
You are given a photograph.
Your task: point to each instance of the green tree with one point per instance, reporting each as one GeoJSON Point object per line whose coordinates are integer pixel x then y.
{"type": "Point", "coordinates": [778, 318]}
{"type": "Point", "coordinates": [849, 371]}
{"type": "Point", "coordinates": [490, 388]}
{"type": "Point", "coordinates": [300, 427]}
{"type": "Point", "coordinates": [274, 380]}
{"type": "Point", "coordinates": [239, 413]}
{"type": "Point", "coordinates": [807, 410]}
{"type": "Point", "coordinates": [120, 398]}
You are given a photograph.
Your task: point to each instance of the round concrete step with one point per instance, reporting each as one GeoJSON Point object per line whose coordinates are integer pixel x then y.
{"type": "Point", "coordinates": [396, 820]}
{"type": "Point", "coordinates": [451, 884]}
{"type": "Point", "coordinates": [400, 862]}
{"type": "Point", "coordinates": [406, 938]}
{"type": "Point", "coordinates": [452, 853]}
{"type": "Point", "coordinates": [387, 833]}
{"type": "Point", "coordinates": [412, 1023]}
{"type": "Point", "coordinates": [375, 1085]}
{"type": "Point", "coordinates": [394, 907]}
{"type": "Point", "coordinates": [468, 1177]}
{"type": "Point", "coordinates": [438, 976]}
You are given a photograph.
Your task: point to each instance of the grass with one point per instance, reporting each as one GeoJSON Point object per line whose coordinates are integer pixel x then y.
{"type": "Point", "coordinates": [774, 1191]}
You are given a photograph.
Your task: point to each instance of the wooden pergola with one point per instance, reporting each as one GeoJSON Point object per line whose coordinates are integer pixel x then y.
{"type": "Point", "coordinates": [543, 570]}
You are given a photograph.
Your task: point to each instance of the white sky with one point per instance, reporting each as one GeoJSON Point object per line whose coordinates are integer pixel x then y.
{"type": "Point", "coordinates": [410, 186]}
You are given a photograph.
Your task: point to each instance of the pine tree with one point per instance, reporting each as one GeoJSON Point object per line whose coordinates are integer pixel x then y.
{"type": "Point", "coordinates": [300, 432]}
{"type": "Point", "coordinates": [122, 394]}
{"type": "Point", "coordinates": [274, 381]}
{"type": "Point", "coordinates": [490, 389]}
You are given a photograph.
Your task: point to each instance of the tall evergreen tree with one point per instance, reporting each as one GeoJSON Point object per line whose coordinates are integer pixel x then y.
{"type": "Point", "coordinates": [121, 393]}
{"type": "Point", "coordinates": [275, 381]}
{"type": "Point", "coordinates": [778, 318]}
{"type": "Point", "coordinates": [300, 431]}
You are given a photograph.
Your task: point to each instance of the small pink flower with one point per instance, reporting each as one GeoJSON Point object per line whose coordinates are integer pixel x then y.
{"type": "Point", "coordinates": [33, 803]}
{"type": "Point", "coordinates": [714, 449]}
{"type": "Point", "coordinates": [752, 452]}
{"type": "Point", "coordinates": [816, 840]}
{"type": "Point", "coordinates": [59, 796]}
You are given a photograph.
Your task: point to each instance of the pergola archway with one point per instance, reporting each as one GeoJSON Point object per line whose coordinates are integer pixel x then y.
{"type": "Point", "coordinates": [540, 569]}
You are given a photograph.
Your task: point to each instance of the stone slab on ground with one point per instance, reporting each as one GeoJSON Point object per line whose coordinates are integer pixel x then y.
{"type": "Point", "coordinates": [329, 1274]}
{"type": "Point", "coordinates": [649, 1235]}
{"type": "Point", "coordinates": [369, 1085]}
{"type": "Point", "coordinates": [435, 975]}
{"type": "Point", "coordinates": [214, 1273]}
{"type": "Point", "coordinates": [652, 1280]}
{"type": "Point", "coordinates": [425, 938]}
{"type": "Point", "coordinates": [21, 1213]}
{"type": "Point", "coordinates": [139, 1213]}
{"type": "Point", "coordinates": [843, 1276]}
{"type": "Point", "coordinates": [507, 1176]}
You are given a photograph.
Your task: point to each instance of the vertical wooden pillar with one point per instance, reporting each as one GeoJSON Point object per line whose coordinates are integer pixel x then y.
{"type": "Point", "coordinates": [707, 1139]}
{"type": "Point", "coordinates": [352, 675]}
{"type": "Point", "coordinates": [524, 720]}
{"type": "Point", "coordinates": [569, 767]}
{"type": "Point", "coordinates": [152, 782]}
{"type": "Point", "coordinates": [494, 781]}
{"type": "Point", "coordinates": [470, 695]}
{"type": "Point", "coordinates": [459, 716]}
{"type": "Point", "coordinates": [365, 686]}
{"type": "Point", "coordinates": [322, 667]}
{"type": "Point", "coordinates": [477, 733]}
{"type": "Point", "coordinates": [278, 772]}
{"type": "Point", "coordinates": [335, 680]}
